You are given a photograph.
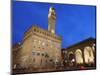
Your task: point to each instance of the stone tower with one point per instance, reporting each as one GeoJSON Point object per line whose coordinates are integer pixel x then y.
{"type": "Point", "coordinates": [51, 20]}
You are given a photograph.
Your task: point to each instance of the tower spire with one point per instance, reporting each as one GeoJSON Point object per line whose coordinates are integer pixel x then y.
{"type": "Point", "coordinates": [51, 20]}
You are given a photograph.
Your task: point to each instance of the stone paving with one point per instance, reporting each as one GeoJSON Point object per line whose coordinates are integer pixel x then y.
{"type": "Point", "coordinates": [42, 70]}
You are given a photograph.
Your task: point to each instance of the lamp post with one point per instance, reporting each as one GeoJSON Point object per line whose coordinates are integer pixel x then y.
{"type": "Point", "coordinates": [72, 62]}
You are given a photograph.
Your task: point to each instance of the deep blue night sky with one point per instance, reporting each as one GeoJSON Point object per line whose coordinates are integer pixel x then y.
{"type": "Point", "coordinates": [74, 23]}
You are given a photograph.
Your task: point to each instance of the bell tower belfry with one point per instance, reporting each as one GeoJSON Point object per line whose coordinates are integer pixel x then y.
{"type": "Point", "coordinates": [51, 20]}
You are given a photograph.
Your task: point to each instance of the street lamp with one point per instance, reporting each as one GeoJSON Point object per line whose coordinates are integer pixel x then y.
{"type": "Point", "coordinates": [73, 60]}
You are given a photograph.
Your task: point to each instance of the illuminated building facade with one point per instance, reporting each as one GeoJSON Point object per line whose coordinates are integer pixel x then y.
{"type": "Point", "coordinates": [40, 48]}
{"type": "Point", "coordinates": [80, 54]}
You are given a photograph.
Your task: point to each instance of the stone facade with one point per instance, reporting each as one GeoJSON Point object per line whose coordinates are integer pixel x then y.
{"type": "Point", "coordinates": [40, 48]}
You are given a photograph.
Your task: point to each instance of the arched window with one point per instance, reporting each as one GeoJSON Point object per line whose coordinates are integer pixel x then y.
{"type": "Point", "coordinates": [88, 55]}
{"type": "Point", "coordinates": [78, 55]}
